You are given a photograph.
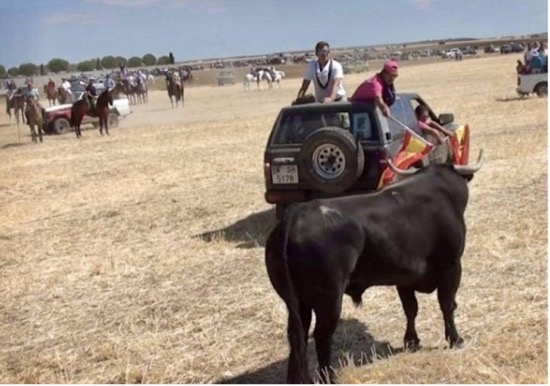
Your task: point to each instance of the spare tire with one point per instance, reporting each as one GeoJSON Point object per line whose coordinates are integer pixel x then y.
{"type": "Point", "coordinates": [331, 160]}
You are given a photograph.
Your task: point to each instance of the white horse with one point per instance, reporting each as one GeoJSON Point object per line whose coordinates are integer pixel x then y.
{"type": "Point", "coordinates": [278, 77]}
{"type": "Point", "coordinates": [249, 78]}
{"type": "Point", "coordinates": [264, 75]}
{"type": "Point", "coordinates": [150, 79]}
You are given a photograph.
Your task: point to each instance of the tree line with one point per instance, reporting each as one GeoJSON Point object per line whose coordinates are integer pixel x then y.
{"type": "Point", "coordinates": [109, 62]}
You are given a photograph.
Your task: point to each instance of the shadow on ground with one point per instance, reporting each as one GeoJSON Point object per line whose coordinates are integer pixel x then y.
{"type": "Point", "coordinates": [351, 340]}
{"type": "Point", "coordinates": [250, 232]}
{"type": "Point", "coordinates": [8, 145]}
{"type": "Point", "coordinates": [512, 99]}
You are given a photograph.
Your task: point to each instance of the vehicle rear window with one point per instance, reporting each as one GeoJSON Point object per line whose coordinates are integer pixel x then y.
{"type": "Point", "coordinates": [295, 128]}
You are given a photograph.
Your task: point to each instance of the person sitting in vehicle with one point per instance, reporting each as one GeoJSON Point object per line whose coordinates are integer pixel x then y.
{"type": "Point", "coordinates": [430, 128]}
{"type": "Point", "coordinates": [91, 94]}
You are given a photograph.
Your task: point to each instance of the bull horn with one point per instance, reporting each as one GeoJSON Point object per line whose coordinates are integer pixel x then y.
{"type": "Point", "coordinates": [403, 172]}
{"type": "Point", "coordinates": [470, 169]}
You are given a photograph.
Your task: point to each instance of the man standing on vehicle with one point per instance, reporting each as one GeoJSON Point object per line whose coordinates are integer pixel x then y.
{"type": "Point", "coordinates": [91, 93]}
{"type": "Point", "coordinates": [380, 88]}
{"type": "Point", "coordinates": [327, 75]}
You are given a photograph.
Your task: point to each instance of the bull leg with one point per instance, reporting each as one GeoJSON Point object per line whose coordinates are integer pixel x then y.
{"type": "Point", "coordinates": [446, 293]}
{"type": "Point", "coordinates": [327, 316]}
{"type": "Point", "coordinates": [39, 132]}
{"type": "Point", "coordinates": [410, 306]}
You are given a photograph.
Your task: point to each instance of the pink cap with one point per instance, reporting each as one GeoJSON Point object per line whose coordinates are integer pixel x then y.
{"type": "Point", "coordinates": [391, 66]}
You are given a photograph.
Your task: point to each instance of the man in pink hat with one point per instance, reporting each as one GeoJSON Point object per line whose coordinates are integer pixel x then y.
{"type": "Point", "coordinates": [379, 88]}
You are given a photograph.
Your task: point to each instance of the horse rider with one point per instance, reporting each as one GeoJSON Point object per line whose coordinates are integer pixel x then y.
{"type": "Point", "coordinates": [176, 77]}
{"type": "Point", "coordinates": [12, 88]}
{"type": "Point", "coordinates": [109, 82]}
{"type": "Point", "coordinates": [67, 87]}
{"type": "Point", "coordinates": [51, 84]}
{"type": "Point", "coordinates": [91, 94]}
{"type": "Point", "coordinates": [30, 92]}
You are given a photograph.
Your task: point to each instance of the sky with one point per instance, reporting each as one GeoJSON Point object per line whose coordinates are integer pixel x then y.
{"type": "Point", "coordinates": [36, 31]}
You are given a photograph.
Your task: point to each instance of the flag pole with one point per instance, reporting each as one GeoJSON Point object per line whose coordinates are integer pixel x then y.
{"type": "Point", "coordinates": [409, 129]}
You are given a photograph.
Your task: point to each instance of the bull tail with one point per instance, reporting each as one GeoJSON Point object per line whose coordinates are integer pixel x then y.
{"type": "Point", "coordinates": [298, 371]}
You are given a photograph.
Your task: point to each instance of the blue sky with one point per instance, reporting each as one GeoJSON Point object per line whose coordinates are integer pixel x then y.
{"type": "Point", "coordinates": [36, 31]}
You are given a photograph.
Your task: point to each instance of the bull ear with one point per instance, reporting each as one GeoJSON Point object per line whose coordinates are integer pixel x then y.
{"type": "Point", "coordinates": [470, 170]}
{"type": "Point", "coordinates": [402, 172]}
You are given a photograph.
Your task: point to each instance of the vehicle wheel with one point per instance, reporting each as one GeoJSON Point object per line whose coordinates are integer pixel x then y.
{"type": "Point", "coordinates": [331, 160]}
{"type": "Point", "coordinates": [541, 89]}
{"type": "Point", "coordinates": [280, 211]}
{"type": "Point", "coordinates": [61, 126]}
{"type": "Point", "coordinates": [112, 120]}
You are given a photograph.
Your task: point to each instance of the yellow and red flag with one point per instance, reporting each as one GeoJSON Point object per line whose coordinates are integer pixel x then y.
{"type": "Point", "coordinates": [460, 143]}
{"type": "Point", "coordinates": [414, 148]}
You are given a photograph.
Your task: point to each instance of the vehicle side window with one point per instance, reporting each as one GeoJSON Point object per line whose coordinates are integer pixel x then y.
{"type": "Point", "coordinates": [403, 111]}
{"type": "Point", "coordinates": [362, 127]}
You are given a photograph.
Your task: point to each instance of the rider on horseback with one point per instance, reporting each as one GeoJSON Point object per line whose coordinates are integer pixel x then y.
{"type": "Point", "coordinates": [91, 94]}
{"type": "Point", "coordinates": [109, 82]}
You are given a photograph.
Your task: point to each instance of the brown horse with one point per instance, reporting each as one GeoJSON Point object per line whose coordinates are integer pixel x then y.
{"type": "Point", "coordinates": [16, 102]}
{"type": "Point", "coordinates": [174, 90]}
{"type": "Point", "coordinates": [33, 113]}
{"type": "Point", "coordinates": [62, 96]}
{"type": "Point", "coordinates": [83, 107]}
{"type": "Point", "coordinates": [51, 93]}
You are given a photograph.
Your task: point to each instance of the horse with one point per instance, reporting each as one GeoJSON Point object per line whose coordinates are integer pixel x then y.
{"type": "Point", "coordinates": [264, 75]}
{"type": "Point", "coordinates": [16, 102]}
{"type": "Point", "coordinates": [249, 78]}
{"type": "Point", "coordinates": [82, 107]}
{"type": "Point", "coordinates": [33, 113]}
{"type": "Point", "coordinates": [63, 96]}
{"type": "Point", "coordinates": [51, 93]}
{"type": "Point", "coordinates": [130, 90]}
{"type": "Point", "coordinates": [187, 75]}
{"type": "Point", "coordinates": [140, 90]}
{"type": "Point", "coordinates": [174, 90]}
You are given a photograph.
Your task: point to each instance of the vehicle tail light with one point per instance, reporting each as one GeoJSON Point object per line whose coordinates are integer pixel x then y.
{"type": "Point", "coordinates": [267, 171]}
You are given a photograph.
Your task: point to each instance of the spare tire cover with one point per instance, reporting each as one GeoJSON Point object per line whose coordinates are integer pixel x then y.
{"type": "Point", "coordinates": [331, 160]}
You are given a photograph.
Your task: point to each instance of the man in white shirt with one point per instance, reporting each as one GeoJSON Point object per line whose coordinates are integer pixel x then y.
{"type": "Point", "coordinates": [327, 76]}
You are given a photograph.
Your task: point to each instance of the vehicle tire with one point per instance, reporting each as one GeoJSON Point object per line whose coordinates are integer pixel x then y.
{"type": "Point", "coordinates": [61, 126]}
{"type": "Point", "coordinates": [112, 120]}
{"type": "Point", "coordinates": [331, 160]}
{"type": "Point", "coordinates": [541, 89]}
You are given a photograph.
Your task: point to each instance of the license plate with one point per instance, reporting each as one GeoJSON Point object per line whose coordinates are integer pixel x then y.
{"type": "Point", "coordinates": [284, 174]}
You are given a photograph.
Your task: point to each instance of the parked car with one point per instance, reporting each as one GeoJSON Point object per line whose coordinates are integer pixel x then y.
{"type": "Point", "coordinates": [506, 49]}
{"type": "Point", "coordinates": [489, 49]}
{"type": "Point", "coordinates": [517, 47]}
{"type": "Point", "coordinates": [533, 83]}
{"type": "Point", "coordinates": [226, 77]}
{"type": "Point", "coordinates": [326, 150]}
{"type": "Point", "coordinates": [57, 118]}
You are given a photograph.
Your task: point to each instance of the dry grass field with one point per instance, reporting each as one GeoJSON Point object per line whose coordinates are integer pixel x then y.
{"type": "Point", "coordinates": [138, 258]}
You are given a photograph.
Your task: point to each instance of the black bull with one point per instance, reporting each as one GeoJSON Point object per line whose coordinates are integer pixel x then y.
{"type": "Point", "coordinates": [410, 234]}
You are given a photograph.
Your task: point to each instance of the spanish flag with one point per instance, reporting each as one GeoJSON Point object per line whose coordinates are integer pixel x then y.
{"type": "Point", "coordinates": [414, 148]}
{"type": "Point", "coordinates": [460, 143]}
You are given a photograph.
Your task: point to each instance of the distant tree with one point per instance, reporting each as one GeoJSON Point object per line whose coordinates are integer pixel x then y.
{"type": "Point", "coordinates": [171, 58]}
{"type": "Point", "coordinates": [3, 71]}
{"type": "Point", "coordinates": [149, 60]}
{"type": "Point", "coordinates": [87, 65]}
{"type": "Point", "coordinates": [72, 67]}
{"type": "Point", "coordinates": [108, 62]}
{"type": "Point", "coordinates": [28, 69]}
{"type": "Point", "coordinates": [98, 64]}
{"type": "Point", "coordinates": [134, 61]}
{"type": "Point", "coordinates": [57, 65]}
{"type": "Point", "coordinates": [163, 60]}
{"type": "Point", "coordinates": [120, 60]}
{"type": "Point", "coordinates": [14, 71]}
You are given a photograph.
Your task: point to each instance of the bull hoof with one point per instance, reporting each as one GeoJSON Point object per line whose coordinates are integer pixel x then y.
{"type": "Point", "coordinates": [457, 343]}
{"type": "Point", "coordinates": [412, 345]}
